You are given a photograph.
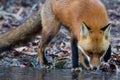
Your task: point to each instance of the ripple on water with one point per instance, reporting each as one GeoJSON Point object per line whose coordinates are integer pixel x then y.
{"type": "Point", "coordinates": [16, 73]}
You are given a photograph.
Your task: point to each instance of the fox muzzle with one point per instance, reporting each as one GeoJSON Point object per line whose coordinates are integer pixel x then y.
{"type": "Point", "coordinates": [86, 58]}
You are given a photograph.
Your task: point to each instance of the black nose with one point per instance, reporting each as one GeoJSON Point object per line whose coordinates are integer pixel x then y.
{"type": "Point", "coordinates": [94, 68]}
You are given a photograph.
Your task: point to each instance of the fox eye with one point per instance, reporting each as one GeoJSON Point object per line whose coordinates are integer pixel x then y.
{"type": "Point", "coordinates": [90, 53]}
{"type": "Point", "coordinates": [101, 32]}
{"type": "Point", "coordinates": [91, 31]}
{"type": "Point", "coordinates": [100, 54]}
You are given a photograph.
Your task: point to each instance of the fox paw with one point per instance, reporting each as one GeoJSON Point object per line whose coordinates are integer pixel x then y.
{"type": "Point", "coordinates": [48, 66]}
{"type": "Point", "coordinates": [78, 69]}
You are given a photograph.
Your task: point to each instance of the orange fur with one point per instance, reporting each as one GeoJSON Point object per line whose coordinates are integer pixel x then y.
{"type": "Point", "coordinates": [72, 13]}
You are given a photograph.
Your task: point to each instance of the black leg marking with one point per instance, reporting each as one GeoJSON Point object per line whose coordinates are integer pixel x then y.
{"type": "Point", "coordinates": [108, 54]}
{"type": "Point", "coordinates": [44, 58]}
{"type": "Point", "coordinates": [74, 53]}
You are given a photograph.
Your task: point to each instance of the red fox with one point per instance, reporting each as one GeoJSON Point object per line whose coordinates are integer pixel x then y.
{"type": "Point", "coordinates": [89, 27]}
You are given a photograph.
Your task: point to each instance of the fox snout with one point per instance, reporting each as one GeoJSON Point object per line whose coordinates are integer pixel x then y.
{"type": "Point", "coordinates": [87, 62]}
{"type": "Point", "coordinates": [95, 62]}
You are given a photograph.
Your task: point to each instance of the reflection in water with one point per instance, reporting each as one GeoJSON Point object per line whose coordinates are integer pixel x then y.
{"type": "Point", "coordinates": [75, 76]}
{"type": "Point", "coordinates": [15, 73]}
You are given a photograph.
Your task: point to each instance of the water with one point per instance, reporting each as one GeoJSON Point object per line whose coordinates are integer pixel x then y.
{"type": "Point", "coordinates": [16, 73]}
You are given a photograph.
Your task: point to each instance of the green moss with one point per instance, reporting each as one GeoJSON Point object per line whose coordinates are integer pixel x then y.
{"type": "Point", "coordinates": [60, 64]}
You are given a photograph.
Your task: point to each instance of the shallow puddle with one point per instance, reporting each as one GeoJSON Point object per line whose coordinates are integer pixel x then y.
{"type": "Point", "coordinates": [15, 73]}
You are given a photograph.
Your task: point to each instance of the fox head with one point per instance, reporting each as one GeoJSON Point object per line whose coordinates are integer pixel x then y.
{"type": "Point", "coordinates": [93, 44]}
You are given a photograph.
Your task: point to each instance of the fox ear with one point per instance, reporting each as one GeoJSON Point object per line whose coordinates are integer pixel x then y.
{"type": "Point", "coordinates": [84, 30]}
{"type": "Point", "coordinates": [106, 30]}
